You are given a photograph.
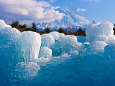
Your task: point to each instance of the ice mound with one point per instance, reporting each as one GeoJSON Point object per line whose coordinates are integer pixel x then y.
{"type": "Point", "coordinates": [8, 36]}
{"type": "Point", "coordinates": [28, 46]}
{"type": "Point", "coordinates": [61, 37]}
{"type": "Point", "coordinates": [55, 35]}
{"type": "Point", "coordinates": [91, 32]}
{"type": "Point", "coordinates": [45, 52]}
{"type": "Point", "coordinates": [47, 40]}
{"type": "Point", "coordinates": [64, 44]}
{"type": "Point", "coordinates": [59, 45]}
{"type": "Point", "coordinates": [71, 39]}
{"type": "Point", "coordinates": [72, 43]}
{"type": "Point", "coordinates": [3, 24]}
{"type": "Point", "coordinates": [105, 28]}
{"type": "Point", "coordinates": [8, 39]}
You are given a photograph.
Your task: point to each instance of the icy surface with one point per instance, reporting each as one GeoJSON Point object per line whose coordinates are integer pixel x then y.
{"type": "Point", "coordinates": [47, 40]}
{"type": "Point", "coordinates": [55, 35]}
{"type": "Point", "coordinates": [109, 50]}
{"type": "Point", "coordinates": [101, 38]}
{"type": "Point", "coordinates": [24, 71]}
{"type": "Point", "coordinates": [28, 46]}
{"type": "Point", "coordinates": [81, 39]}
{"type": "Point", "coordinates": [8, 39]}
{"type": "Point", "coordinates": [93, 31]}
{"type": "Point", "coordinates": [45, 52]}
{"type": "Point", "coordinates": [96, 47]}
{"type": "Point", "coordinates": [64, 44]}
{"type": "Point", "coordinates": [55, 59]}
{"type": "Point", "coordinates": [3, 24]}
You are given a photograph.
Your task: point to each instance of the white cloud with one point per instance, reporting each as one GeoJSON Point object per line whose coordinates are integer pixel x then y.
{"type": "Point", "coordinates": [29, 10]}
{"type": "Point", "coordinates": [81, 9]}
{"type": "Point", "coordinates": [52, 15]}
{"type": "Point", "coordinates": [43, 4]}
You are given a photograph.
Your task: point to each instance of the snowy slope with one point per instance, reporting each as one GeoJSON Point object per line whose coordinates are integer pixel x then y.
{"type": "Point", "coordinates": [70, 18]}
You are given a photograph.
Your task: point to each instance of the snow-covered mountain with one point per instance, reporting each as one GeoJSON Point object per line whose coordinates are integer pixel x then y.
{"type": "Point", "coordinates": [70, 19]}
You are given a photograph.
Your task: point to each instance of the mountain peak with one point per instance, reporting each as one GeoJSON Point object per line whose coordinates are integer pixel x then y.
{"type": "Point", "coordinates": [69, 18]}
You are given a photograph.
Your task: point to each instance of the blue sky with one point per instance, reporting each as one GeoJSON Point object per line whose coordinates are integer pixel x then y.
{"type": "Point", "coordinates": [32, 10]}
{"type": "Point", "coordinates": [97, 10]}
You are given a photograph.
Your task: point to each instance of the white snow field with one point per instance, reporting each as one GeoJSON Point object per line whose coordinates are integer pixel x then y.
{"type": "Point", "coordinates": [55, 59]}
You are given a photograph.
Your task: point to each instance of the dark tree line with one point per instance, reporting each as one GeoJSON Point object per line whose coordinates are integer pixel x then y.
{"type": "Point", "coordinates": [24, 27]}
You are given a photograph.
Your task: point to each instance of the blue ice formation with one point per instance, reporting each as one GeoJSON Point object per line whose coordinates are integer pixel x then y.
{"type": "Point", "coordinates": [55, 59]}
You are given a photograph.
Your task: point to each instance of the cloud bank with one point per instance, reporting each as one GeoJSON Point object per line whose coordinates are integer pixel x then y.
{"type": "Point", "coordinates": [28, 10]}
